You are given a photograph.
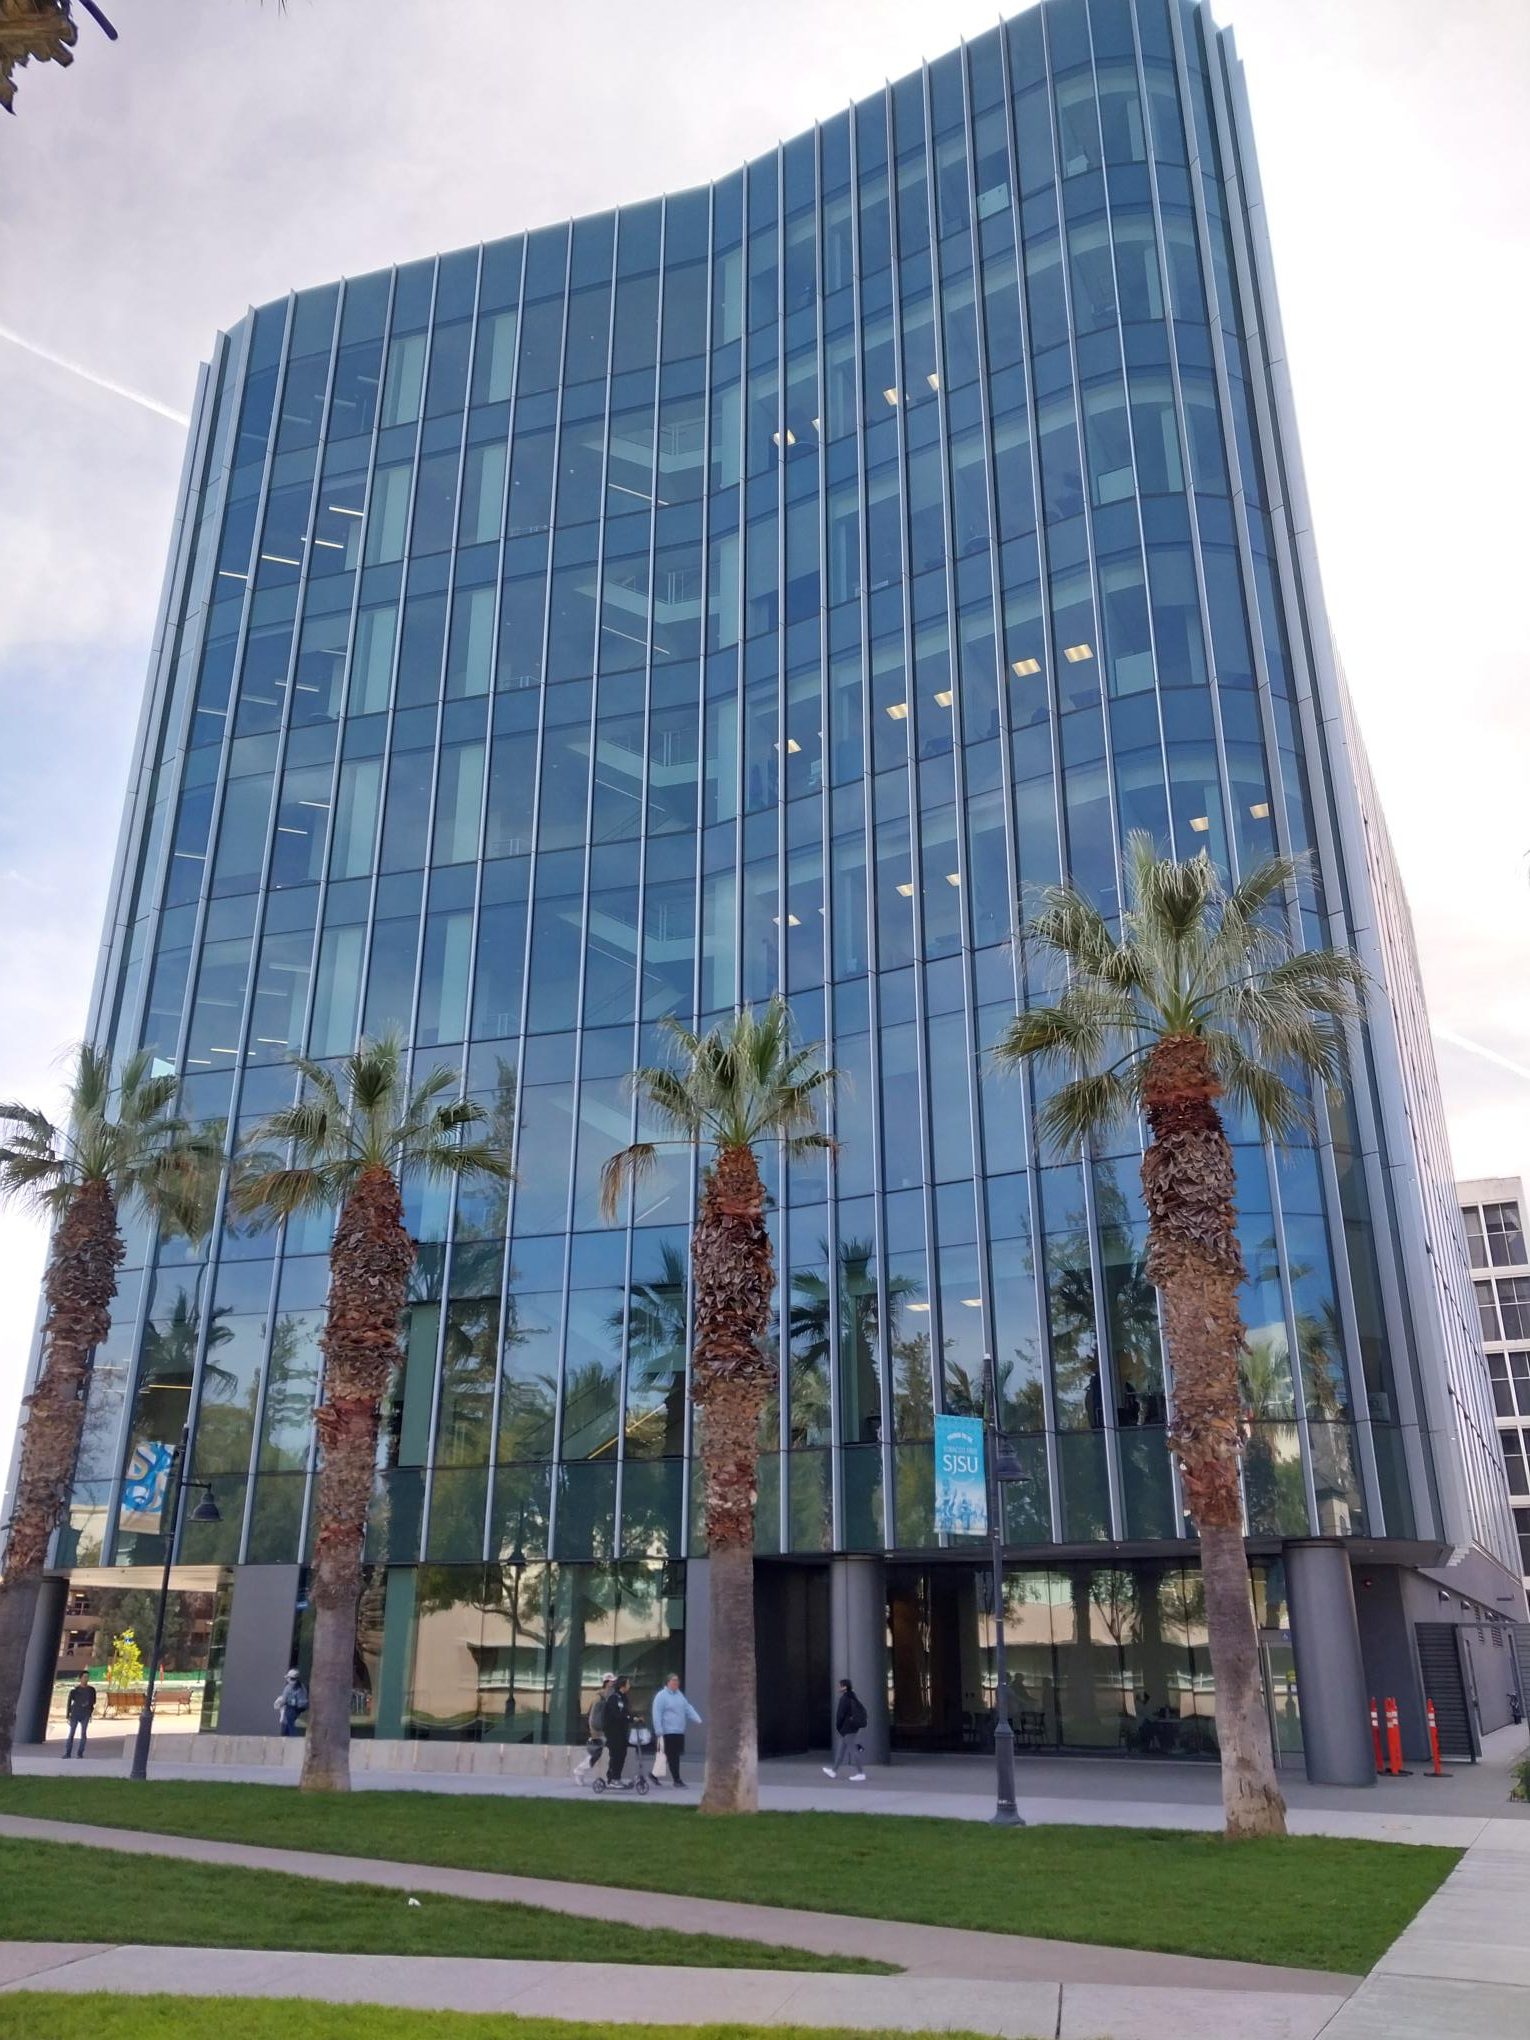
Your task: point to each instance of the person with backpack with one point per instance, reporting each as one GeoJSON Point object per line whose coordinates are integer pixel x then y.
{"type": "Point", "coordinates": [850, 1718]}
{"type": "Point", "coordinates": [291, 1702]}
{"type": "Point", "coordinates": [80, 1707]}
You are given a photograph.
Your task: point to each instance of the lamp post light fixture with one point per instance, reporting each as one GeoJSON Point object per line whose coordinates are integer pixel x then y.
{"type": "Point", "coordinates": [1002, 1465]}
{"type": "Point", "coordinates": [206, 1511]}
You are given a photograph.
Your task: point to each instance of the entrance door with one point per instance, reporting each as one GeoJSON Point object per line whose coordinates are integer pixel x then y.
{"type": "Point", "coordinates": [791, 1641]}
{"type": "Point", "coordinates": [932, 1633]}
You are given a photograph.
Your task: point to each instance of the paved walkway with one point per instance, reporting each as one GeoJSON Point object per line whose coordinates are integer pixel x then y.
{"type": "Point", "coordinates": [1460, 1972]}
{"type": "Point", "coordinates": [617, 1995]}
{"type": "Point", "coordinates": [1453, 1811]}
{"type": "Point", "coordinates": [920, 1951]}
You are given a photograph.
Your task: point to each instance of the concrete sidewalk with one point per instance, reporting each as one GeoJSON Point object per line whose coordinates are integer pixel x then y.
{"type": "Point", "coordinates": [1068, 1791]}
{"type": "Point", "coordinates": [618, 1995]}
{"type": "Point", "coordinates": [920, 1951]}
{"type": "Point", "coordinates": [1461, 1971]}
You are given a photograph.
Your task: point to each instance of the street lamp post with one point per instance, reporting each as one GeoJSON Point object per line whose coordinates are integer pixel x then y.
{"type": "Point", "coordinates": [517, 1567]}
{"type": "Point", "coordinates": [206, 1511]}
{"type": "Point", "coordinates": [1002, 1466]}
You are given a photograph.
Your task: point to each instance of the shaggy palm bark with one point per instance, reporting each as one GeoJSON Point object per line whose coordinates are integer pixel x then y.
{"type": "Point", "coordinates": [81, 1282]}
{"type": "Point", "coordinates": [369, 1272]}
{"type": "Point", "coordinates": [731, 1381]}
{"type": "Point", "coordinates": [1194, 1260]}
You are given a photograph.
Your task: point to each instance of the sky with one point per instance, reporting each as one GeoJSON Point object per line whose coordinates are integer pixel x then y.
{"type": "Point", "coordinates": [163, 183]}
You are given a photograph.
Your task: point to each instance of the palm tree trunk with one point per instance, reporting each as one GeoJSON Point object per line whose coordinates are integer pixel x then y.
{"type": "Point", "coordinates": [369, 1271]}
{"type": "Point", "coordinates": [731, 1380]}
{"type": "Point", "coordinates": [1194, 1260]}
{"type": "Point", "coordinates": [86, 1253]}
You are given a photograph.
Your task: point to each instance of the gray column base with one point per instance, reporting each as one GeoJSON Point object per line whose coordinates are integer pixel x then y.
{"type": "Point", "coordinates": [37, 1672]}
{"type": "Point", "coordinates": [858, 1645]}
{"type": "Point", "coordinates": [1330, 1671]}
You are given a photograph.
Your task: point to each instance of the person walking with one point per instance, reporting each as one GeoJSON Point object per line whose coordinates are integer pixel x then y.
{"type": "Point", "coordinates": [595, 1747]}
{"type": "Point", "coordinates": [291, 1702]}
{"type": "Point", "coordinates": [849, 1719]}
{"type": "Point", "coordinates": [616, 1722]}
{"type": "Point", "coordinates": [81, 1706]}
{"type": "Point", "coordinates": [671, 1711]}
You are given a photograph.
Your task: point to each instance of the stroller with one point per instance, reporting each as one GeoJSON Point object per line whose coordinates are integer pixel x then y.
{"type": "Point", "coordinates": [642, 1739]}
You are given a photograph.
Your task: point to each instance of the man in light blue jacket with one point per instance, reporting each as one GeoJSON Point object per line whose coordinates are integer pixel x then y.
{"type": "Point", "coordinates": [671, 1711]}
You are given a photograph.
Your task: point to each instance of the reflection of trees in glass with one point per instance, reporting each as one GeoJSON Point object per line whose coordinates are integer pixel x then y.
{"type": "Point", "coordinates": [656, 1343]}
{"type": "Point", "coordinates": [1075, 1342]}
{"type": "Point", "coordinates": [859, 1346]}
{"type": "Point", "coordinates": [1131, 1307]}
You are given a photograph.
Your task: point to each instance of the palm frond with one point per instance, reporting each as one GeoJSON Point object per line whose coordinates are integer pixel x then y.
{"type": "Point", "coordinates": [1065, 922]}
{"type": "Point", "coordinates": [1088, 1105]}
{"type": "Point", "coordinates": [626, 1168]}
{"type": "Point", "coordinates": [1167, 897]}
{"type": "Point", "coordinates": [668, 1098]}
{"type": "Point", "coordinates": [803, 1144]}
{"type": "Point", "coordinates": [268, 1189]}
{"type": "Point", "coordinates": [310, 1126]}
{"type": "Point", "coordinates": [1277, 1107]}
{"type": "Point", "coordinates": [1085, 1024]}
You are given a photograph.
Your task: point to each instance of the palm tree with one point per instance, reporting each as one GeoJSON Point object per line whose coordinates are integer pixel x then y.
{"type": "Point", "coordinates": [1200, 996]}
{"type": "Point", "coordinates": [348, 1146]}
{"type": "Point", "coordinates": [120, 1147]}
{"type": "Point", "coordinates": [742, 1083]}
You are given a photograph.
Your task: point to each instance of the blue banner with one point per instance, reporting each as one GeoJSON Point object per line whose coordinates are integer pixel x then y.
{"type": "Point", "coordinates": [145, 1484]}
{"type": "Point", "coordinates": [961, 1491]}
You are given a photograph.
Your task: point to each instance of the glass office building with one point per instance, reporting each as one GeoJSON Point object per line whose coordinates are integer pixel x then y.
{"type": "Point", "coordinates": [757, 588]}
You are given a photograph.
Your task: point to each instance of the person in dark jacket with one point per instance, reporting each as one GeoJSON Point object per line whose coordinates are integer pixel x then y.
{"type": "Point", "coordinates": [617, 1724]}
{"type": "Point", "coordinates": [849, 1719]}
{"type": "Point", "coordinates": [82, 1705]}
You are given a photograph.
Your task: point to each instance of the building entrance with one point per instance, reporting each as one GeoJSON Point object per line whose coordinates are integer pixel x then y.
{"type": "Point", "coordinates": [1106, 1658]}
{"type": "Point", "coordinates": [939, 1697]}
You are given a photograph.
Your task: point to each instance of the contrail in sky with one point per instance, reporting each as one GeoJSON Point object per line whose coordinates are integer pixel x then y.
{"type": "Point", "coordinates": [1475, 1048]}
{"type": "Point", "coordinates": [102, 382]}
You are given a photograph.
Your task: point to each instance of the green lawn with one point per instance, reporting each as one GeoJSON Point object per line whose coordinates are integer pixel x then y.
{"type": "Point", "coordinates": [1309, 1902]}
{"type": "Point", "coordinates": [55, 2015]}
{"type": "Point", "coordinates": [50, 1891]}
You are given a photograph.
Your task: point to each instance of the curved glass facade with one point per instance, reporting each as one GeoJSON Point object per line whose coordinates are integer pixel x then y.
{"type": "Point", "coordinates": [756, 588]}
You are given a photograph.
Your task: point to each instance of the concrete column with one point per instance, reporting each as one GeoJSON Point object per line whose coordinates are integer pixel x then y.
{"type": "Point", "coordinates": [1330, 1671]}
{"type": "Point", "coordinates": [41, 1662]}
{"type": "Point", "coordinates": [258, 1652]}
{"type": "Point", "coordinates": [858, 1644]}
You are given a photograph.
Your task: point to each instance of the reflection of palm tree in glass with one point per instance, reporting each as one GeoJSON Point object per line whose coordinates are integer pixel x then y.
{"type": "Point", "coordinates": [1272, 1468]}
{"type": "Point", "coordinates": [1131, 1307]}
{"type": "Point", "coordinates": [656, 1348]}
{"type": "Point", "coordinates": [1075, 1343]}
{"type": "Point", "coordinates": [859, 1337]}
{"type": "Point", "coordinates": [170, 1353]}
